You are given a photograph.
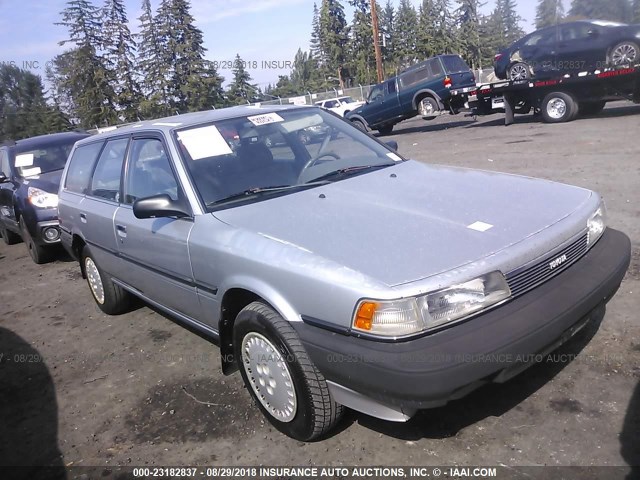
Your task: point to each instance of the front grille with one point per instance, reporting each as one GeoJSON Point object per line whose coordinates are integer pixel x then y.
{"type": "Point", "coordinates": [526, 278]}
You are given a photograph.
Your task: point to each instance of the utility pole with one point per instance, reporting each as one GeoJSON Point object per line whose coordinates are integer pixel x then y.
{"type": "Point", "coordinates": [376, 40]}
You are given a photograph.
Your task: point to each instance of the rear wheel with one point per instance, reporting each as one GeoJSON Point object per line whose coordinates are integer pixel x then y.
{"type": "Point", "coordinates": [428, 107]}
{"type": "Point", "coordinates": [279, 375]}
{"type": "Point", "coordinates": [9, 237]}
{"type": "Point", "coordinates": [38, 253]}
{"type": "Point", "coordinates": [111, 298]}
{"type": "Point", "coordinates": [591, 108]}
{"type": "Point", "coordinates": [519, 71]}
{"type": "Point", "coordinates": [558, 107]}
{"type": "Point", "coordinates": [625, 53]}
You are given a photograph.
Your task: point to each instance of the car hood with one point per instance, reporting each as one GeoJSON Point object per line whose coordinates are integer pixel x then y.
{"type": "Point", "coordinates": [410, 221]}
{"type": "Point", "coordinates": [49, 182]}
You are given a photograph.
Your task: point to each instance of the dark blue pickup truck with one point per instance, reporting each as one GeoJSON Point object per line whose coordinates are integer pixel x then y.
{"type": "Point", "coordinates": [424, 89]}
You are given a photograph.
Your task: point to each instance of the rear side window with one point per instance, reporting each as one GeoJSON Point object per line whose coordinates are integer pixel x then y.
{"type": "Point", "coordinates": [455, 64]}
{"type": "Point", "coordinates": [414, 76]}
{"type": "Point", "coordinates": [436, 68]}
{"type": "Point", "coordinates": [106, 179]}
{"type": "Point", "coordinates": [4, 163]}
{"type": "Point", "coordinates": [80, 167]}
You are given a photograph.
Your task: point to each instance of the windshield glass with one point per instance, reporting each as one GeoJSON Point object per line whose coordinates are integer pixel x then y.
{"type": "Point", "coordinates": [290, 150]}
{"type": "Point", "coordinates": [47, 158]}
{"type": "Point", "coordinates": [347, 100]}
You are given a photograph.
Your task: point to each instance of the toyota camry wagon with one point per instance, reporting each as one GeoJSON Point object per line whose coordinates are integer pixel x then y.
{"type": "Point", "coordinates": [336, 273]}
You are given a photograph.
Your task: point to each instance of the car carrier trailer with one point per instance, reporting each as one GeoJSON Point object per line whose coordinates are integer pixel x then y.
{"type": "Point", "coordinates": [558, 99]}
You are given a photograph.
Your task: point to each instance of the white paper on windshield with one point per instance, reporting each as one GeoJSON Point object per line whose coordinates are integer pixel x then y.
{"type": "Point", "coordinates": [28, 172]}
{"type": "Point", "coordinates": [204, 142]}
{"type": "Point", "coordinates": [24, 160]}
{"type": "Point", "coordinates": [480, 226]}
{"type": "Point", "coordinates": [394, 157]}
{"type": "Point", "coordinates": [258, 120]}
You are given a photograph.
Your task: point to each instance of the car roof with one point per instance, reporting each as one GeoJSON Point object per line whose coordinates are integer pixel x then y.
{"type": "Point", "coordinates": [168, 124]}
{"type": "Point", "coordinates": [40, 140]}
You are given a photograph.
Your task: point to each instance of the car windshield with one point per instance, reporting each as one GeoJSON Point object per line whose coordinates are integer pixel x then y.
{"type": "Point", "coordinates": [46, 158]}
{"type": "Point", "coordinates": [276, 153]}
{"type": "Point", "coordinates": [347, 100]}
{"type": "Point", "coordinates": [454, 64]}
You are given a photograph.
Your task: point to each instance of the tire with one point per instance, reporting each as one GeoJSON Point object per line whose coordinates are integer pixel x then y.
{"type": "Point", "coordinates": [360, 125]}
{"type": "Point", "coordinates": [591, 108]}
{"type": "Point", "coordinates": [386, 130]}
{"type": "Point", "coordinates": [624, 54]}
{"type": "Point", "coordinates": [559, 107]}
{"type": "Point", "coordinates": [38, 253]}
{"type": "Point", "coordinates": [110, 298]}
{"type": "Point", "coordinates": [8, 237]}
{"type": "Point", "coordinates": [519, 71]}
{"type": "Point", "coordinates": [301, 405]}
{"type": "Point", "coordinates": [428, 107]}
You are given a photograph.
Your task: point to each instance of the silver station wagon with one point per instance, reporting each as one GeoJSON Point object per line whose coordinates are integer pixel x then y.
{"type": "Point", "coordinates": [335, 273]}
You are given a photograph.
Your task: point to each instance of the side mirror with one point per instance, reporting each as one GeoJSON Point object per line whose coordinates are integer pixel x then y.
{"type": "Point", "coordinates": [393, 144]}
{"type": "Point", "coordinates": [159, 206]}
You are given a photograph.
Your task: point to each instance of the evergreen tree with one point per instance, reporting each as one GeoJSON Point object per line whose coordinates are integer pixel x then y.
{"type": "Point", "coordinates": [510, 20]}
{"type": "Point", "coordinates": [153, 80]}
{"type": "Point", "coordinates": [615, 10]}
{"type": "Point", "coordinates": [361, 51]}
{"type": "Point", "coordinates": [119, 56]}
{"type": "Point", "coordinates": [549, 12]}
{"type": "Point", "coordinates": [427, 41]}
{"type": "Point", "coordinates": [240, 90]}
{"type": "Point", "coordinates": [469, 33]}
{"type": "Point", "coordinates": [189, 78]}
{"type": "Point", "coordinates": [334, 37]}
{"type": "Point", "coordinates": [80, 74]}
{"type": "Point", "coordinates": [636, 11]}
{"type": "Point", "coordinates": [305, 74]}
{"type": "Point", "coordinates": [315, 45]}
{"type": "Point", "coordinates": [406, 33]}
{"type": "Point", "coordinates": [387, 18]}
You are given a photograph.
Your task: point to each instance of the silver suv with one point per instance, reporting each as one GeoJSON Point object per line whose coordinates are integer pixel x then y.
{"type": "Point", "coordinates": [335, 274]}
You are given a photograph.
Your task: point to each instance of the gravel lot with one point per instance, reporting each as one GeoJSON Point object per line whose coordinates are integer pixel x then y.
{"type": "Point", "coordinates": [139, 389]}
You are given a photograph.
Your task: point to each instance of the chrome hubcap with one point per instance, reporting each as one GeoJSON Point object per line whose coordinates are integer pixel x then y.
{"type": "Point", "coordinates": [557, 108]}
{"type": "Point", "coordinates": [427, 108]}
{"type": "Point", "coordinates": [95, 282]}
{"type": "Point", "coordinates": [269, 377]}
{"type": "Point", "coordinates": [625, 54]}
{"type": "Point", "coordinates": [518, 72]}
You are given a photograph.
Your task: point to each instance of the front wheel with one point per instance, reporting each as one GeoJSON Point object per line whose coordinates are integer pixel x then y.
{"type": "Point", "coordinates": [281, 378]}
{"type": "Point", "coordinates": [625, 54]}
{"type": "Point", "coordinates": [38, 253]}
{"type": "Point", "coordinates": [111, 298]}
{"type": "Point", "coordinates": [558, 107]}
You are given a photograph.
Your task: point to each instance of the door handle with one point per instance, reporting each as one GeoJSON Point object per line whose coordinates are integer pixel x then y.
{"type": "Point", "coordinates": [122, 231]}
{"type": "Point", "coordinates": [83, 217]}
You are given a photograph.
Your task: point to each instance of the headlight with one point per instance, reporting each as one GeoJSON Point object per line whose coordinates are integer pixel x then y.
{"type": "Point", "coordinates": [596, 224]}
{"type": "Point", "coordinates": [413, 315]}
{"type": "Point", "coordinates": [42, 199]}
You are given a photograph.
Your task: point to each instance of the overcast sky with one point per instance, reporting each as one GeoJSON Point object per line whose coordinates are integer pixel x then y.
{"type": "Point", "coordinates": [261, 31]}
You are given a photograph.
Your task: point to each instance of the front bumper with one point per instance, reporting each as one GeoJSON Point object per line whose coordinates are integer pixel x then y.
{"type": "Point", "coordinates": [429, 371]}
{"type": "Point", "coordinates": [38, 220]}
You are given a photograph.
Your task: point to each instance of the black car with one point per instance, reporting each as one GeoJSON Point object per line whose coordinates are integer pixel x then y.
{"type": "Point", "coordinates": [569, 48]}
{"type": "Point", "coordinates": [30, 172]}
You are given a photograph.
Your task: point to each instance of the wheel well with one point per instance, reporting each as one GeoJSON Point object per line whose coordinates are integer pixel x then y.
{"type": "Point", "coordinates": [233, 302]}
{"type": "Point", "coordinates": [76, 246]}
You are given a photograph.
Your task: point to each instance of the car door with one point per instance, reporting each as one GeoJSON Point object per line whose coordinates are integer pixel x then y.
{"type": "Point", "coordinates": [581, 47]}
{"type": "Point", "coordinates": [93, 213]}
{"type": "Point", "coordinates": [375, 105]}
{"type": "Point", "coordinates": [7, 188]}
{"type": "Point", "coordinates": [539, 50]}
{"type": "Point", "coordinates": [155, 250]}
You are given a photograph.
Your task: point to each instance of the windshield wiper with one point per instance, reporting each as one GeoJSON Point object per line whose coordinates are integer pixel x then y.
{"type": "Point", "coordinates": [260, 191]}
{"type": "Point", "coordinates": [345, 172]}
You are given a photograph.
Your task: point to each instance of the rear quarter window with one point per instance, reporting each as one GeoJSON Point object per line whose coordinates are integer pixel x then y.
{"type": "Point", "coordinates": [81, 167]}
{"type": "Point", "coordinates": [455, 64]}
